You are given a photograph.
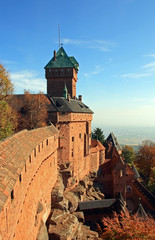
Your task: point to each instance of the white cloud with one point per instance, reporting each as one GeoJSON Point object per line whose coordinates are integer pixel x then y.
{"type": "Point", "coordinates": [135, 75]}
{"type": "Point", "coordinates": [96, 44]}
{"type": "Point", "coordinates": [150, 55]}
{"type": "Point", "coordinates": [28, 80]}
{"type": "Point", "coordinates": [150, 66]}
{"type": "Point", "coordinates": [98, 69]}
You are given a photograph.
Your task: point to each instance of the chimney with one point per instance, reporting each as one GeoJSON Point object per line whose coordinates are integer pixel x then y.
{"type": "Point", "coordinates": [80, 98]}
{"type": "Point", "coordinates": [54, 55]}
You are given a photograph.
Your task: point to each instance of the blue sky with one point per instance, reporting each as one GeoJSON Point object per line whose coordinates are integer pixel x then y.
{"type": "Point", "coordinates": [113, 41]}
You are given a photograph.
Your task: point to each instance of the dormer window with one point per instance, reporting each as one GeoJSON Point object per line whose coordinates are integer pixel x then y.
{"type": "Point", "coordinates": [81, 105]}
{"type": "Point", "coordinates": [58, 104]}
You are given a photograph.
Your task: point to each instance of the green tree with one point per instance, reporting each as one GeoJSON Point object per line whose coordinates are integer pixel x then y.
{"type": "Point", "coordinates": [128, 154]}
{"type": "Point", "coordinates": [98, 135]}
{"type": "Point", "coordinates": [8, 118]}
{"type": "Point", "coordinates": [145, 160]}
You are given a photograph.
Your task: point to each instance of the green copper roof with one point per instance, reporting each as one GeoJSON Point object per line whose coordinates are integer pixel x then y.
{"type": "Point", "coordinates": [62, 61]}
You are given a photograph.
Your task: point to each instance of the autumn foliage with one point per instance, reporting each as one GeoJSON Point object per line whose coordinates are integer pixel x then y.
{"type": "Point", "coordinates": [32, 111]}
{"type": "Point", "coordinates": [128, 154]}
{"type": "Point", "coordinates": [8, 117]}
{"type": "Point", "coordinates": [145, 160]}
{"type": "Point", "coordinates": [6, 87]}
{"type": "Point", "coordinates": [123, 226]}
{"type": "Point", "coordinates": [8, 120]}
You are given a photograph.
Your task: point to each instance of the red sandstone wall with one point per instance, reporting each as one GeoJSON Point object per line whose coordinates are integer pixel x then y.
{"type": "Point", "coordinates": [64, 143]}
{"type": "Point", "coordinates": [94, 160]}
{"type": "Point", "coordinates": [78, 155]}
{"type": "Point", "coordinates": [97, 155]}
{"type": "Point", "coordinates": [119, 179]}
{"type": "Point", "coordinates": [75, 141]}
{"type": "Point", "coordinates": [19, 217]}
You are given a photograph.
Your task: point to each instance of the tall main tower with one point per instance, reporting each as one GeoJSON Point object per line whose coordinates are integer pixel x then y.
{"type": "Point", "coordinates": [61, 71]}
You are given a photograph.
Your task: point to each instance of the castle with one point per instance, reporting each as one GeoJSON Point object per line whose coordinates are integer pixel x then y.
{"type": "Point", "coordinates": [29, 160]}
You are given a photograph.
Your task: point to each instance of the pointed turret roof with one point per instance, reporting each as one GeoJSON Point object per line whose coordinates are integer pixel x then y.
{"type": "Point", "coordinates": [111, 138]}
{"type": "Point", "coordinates": [140, 211]}
{"type": "Point", "coordinates": [61, 60]}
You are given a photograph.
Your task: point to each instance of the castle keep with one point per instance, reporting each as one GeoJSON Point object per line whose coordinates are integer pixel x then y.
{"type": "Point", "coordinates": [31, 163]}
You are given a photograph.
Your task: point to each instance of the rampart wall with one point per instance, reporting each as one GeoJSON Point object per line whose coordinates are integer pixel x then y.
{"type": "Point", "coordinates": [28, 172]}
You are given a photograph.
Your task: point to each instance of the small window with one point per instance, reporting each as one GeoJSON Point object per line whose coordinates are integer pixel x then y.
{"type": "Point", "coordinates": [72, 154]}
{"type": "Point", "coordinates": [29, 159]}
{"type": "Point", "coordinates": [80, 135]}
{"type": "Point", "coordinates": [72, 139]}
{"type": "Point", "coordinates": [47, 142]}
{"type": "Point", "coordinates": [34, 152]}
{"type": "Point", "coordinates": [12, 194]}
{"type": "Point", "coordinates": [38, 148]}
{"type": "Point", "coordinates": [20, 178]}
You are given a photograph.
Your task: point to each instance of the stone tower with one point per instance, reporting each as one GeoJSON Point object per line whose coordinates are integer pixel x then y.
{"type": "Point", "coordinates": [61, 71]}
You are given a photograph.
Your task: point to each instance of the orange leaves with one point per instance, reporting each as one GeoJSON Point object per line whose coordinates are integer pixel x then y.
{"type": "Point", "coordinates": [145, 159]}
{"type": "Point", "coordinates": [33, 111]}
{"type": "Point", "coordinates": [6, 87]}
{"type": "Point", "coordinates": [124, 226]}
{"type": "Point", "coordinates": [7, 115]}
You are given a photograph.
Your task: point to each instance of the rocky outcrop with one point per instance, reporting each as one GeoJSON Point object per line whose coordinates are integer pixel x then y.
{"type": "Point", "coordinates": [65, 222]}
{"type": "Point", "coordinates": [42, 234]}
{"type": "Point", "coordinates": [57, 193]}
{"type": "Point", "coordinates": [65, 228]}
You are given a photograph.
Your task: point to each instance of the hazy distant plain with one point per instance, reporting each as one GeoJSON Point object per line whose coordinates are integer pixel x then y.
{"type": "Point", "coordinates": [130, 135]}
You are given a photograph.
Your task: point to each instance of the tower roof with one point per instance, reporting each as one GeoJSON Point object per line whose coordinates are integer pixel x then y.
{"type": "Point", "coordinates": [61, 60]}
{"type": "Point", "coordinates": [111, 138]}
{"type": "Point", "coordinates": [61, 104]}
